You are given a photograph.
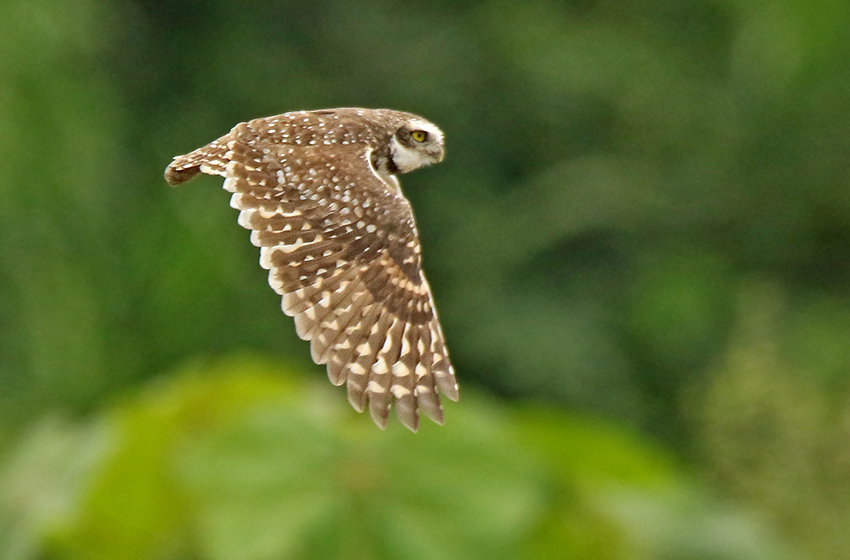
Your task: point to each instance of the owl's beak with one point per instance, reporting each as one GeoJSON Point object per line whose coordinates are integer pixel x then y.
{"type": "Point", "coordinates": [441, 155]}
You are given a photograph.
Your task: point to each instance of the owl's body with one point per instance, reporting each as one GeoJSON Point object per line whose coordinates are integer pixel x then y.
{"type": "Point", "coordinates": [319, 193]}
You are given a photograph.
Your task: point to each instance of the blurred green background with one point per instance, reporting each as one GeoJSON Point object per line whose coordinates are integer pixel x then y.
{"type": "Point", "coordinates": [638, 244]}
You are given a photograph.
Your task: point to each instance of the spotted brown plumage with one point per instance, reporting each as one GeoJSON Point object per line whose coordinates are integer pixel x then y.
{"type": "Point", "coordinates": [319, 193]}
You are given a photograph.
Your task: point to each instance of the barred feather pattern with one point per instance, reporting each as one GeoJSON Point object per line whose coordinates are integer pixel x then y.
{"type": "Point", "coordinates": [340, 244]}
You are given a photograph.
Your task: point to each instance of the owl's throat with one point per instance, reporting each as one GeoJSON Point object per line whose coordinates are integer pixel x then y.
{"type": "Point", "coordinates": [386, 169]}
{"type": "Point", "coordinates": [384, 164]}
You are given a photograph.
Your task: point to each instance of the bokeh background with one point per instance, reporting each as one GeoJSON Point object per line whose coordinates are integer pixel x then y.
{"type": "Point", "coordinates": [638, 245]}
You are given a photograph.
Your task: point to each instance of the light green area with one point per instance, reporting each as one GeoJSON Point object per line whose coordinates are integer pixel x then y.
{"type": "Point", "coordinates": [245, 459]}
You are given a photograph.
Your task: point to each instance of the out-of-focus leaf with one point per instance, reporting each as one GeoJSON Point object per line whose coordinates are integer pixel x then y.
{"type": "Point", "coordinates": [44, 482]}
{"type": "Point", "coordinates": [243, 459]}
{"type": "Point", "coordinates": [769, 434]}
{"type": "Point", "coordinates": [134, 509]}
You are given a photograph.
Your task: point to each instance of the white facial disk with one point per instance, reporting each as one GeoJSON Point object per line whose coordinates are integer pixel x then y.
{"type": "Point", "coordinates": [418, 144]}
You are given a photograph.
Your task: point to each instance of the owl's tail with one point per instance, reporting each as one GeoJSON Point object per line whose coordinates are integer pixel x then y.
{"type": "Point", "coordinates": [211, 159]}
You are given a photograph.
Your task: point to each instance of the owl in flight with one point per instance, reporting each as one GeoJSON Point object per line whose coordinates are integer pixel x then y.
{"type": "Point", "coordinates": [319, 192]}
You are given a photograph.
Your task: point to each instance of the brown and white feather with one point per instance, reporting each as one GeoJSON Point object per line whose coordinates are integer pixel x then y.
{"type": "Point", "coordinates": [317, 190]}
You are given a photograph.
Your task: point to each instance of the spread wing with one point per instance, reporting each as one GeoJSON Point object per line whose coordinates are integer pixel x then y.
{"type": "Point", "coordinates": [341, 246]}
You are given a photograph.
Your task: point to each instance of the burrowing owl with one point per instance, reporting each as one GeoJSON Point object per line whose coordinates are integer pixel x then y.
{"type": "Point", "coordinates": [319, 192]}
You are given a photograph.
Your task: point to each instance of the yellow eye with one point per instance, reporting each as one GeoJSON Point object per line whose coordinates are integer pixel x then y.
{"type": "Point", "coordinates": [419, 135]}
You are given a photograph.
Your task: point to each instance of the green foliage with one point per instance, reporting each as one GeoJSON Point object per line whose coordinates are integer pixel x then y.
{"type": "Point", "coordinates": [769, 436]}
{"type": "Point", "coordinates": [243, 459]}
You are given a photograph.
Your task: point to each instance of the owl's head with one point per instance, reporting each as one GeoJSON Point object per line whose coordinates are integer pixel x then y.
{"type": "Point", "coordinates": [415, 144]}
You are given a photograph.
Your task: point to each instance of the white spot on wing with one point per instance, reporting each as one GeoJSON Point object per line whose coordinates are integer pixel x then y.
{"type": "Point", "coordinates": [374, 387]}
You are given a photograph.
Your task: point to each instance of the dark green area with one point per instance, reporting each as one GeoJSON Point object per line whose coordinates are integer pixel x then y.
{"type": "Point", "coordinates": [642, 228]}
